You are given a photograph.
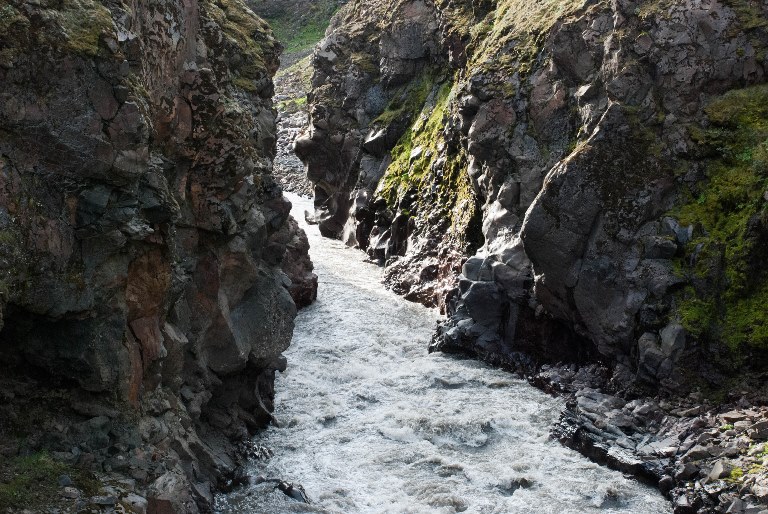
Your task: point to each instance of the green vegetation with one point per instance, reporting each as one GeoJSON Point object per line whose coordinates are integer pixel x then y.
{"type": "Point", "coordinates": [445, 196]}
{"type": "Point", "coordinates": [364, 62]}
{"type": "Point", "coordinates": [246, 32]}
{"type": "Point", "coordinates": [736, 474]}
{"type": "Point", "coordinates": [74, 26]}
{"type": "Point", "coordinates": [512, 35]}
{"type": "Point", "coordinates": [730, 292]}
{"type": "Point", "coordinates": [405, 172]}
{"type": "Point", "coordinates": [296, 39]}
{"type": "Point", "coordinates": [83, 22]}
{"type": "Point", "coordinates": [292, 105]}
{"type": "Point", "coordinates": [31, 482]}
{"type": "Point", "coordinates": [300, 31]}
{"type": "Point", "coordinates": [749, 14]}
{"type": "Point", "coordinates": [10, 16]}
{"type": "Point", "coordinates": [652, 7]}
{"type": "Point", "coordinates": [408, 102]}
{"type": "Point", "coordinates": [300, 73]}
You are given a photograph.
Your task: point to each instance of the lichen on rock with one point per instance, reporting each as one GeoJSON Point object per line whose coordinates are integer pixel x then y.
{"type": "Point", "coordinates": [583, 146]}
{"type": "Point", "coordinates": [142, 235]}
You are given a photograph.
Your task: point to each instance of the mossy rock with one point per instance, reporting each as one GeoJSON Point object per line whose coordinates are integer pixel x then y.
{"type": "Point", "coordinates": [72, 26]}
{"type": "Point", "coordinates": [725, 262]}
{"type": "Point", "coordinates": [31, 482]}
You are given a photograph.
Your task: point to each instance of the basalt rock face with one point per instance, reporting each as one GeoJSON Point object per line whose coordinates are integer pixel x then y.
{"type": "Point", "coordinates": [583, 156]}
{"type": "Point", "coordinates": [382, 70]}
{"type": "Point", "coordinates": [142, 233]}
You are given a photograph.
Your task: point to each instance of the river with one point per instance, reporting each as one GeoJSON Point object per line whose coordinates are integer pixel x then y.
{"type": "Point", "coordinates": [372, 423]}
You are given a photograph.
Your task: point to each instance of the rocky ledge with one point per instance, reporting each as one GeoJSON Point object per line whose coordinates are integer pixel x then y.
{"type": "Point", "coordinates": [148, 264]}
{"type": "Point", "coordinates": [708, 455]}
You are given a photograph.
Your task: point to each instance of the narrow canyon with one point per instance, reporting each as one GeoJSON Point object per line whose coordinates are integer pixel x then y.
{"type": "Point", "coordinates": [267, 256]}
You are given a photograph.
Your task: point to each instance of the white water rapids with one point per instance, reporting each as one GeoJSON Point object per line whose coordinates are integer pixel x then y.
{"type": "Point", "coordinates": [372, 423]}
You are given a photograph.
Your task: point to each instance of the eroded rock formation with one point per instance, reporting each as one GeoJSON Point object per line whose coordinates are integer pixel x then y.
{"type": "Point", "coordinates": [142, 235]}
{"type": "Point", "coordinates": [564, 149]}
{"type": "Point", "coordinates": [579, 182]}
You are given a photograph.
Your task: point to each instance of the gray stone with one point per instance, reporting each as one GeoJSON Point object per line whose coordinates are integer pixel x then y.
{"type": "Point", "coordinates": [697, 453]}
{"type": "Point", "coordinates": [721, 469]}
{"type": "Point", "coordinates": [657, 247]}
{"type": "Point", "coordinates": [758, 431]}
{"type": "Point", "coordinates": [70, 492]}
{"type": "Point", "coordinates": [651, 355]}
{"type": "Point", "coordinates": [686, 471]}
{"type": "Point", "coordinates": [737, 506]}
{"type": "Point", "coordinates": [137, 503]}
{"type": "Point", "coordinates": [734, 416]}
{"type": "Point", "coordinates": [673, 340]}
{"type": "Point", "coordinates": [666, 484]}
{"type": "Point", "coordinates": [106, 501]}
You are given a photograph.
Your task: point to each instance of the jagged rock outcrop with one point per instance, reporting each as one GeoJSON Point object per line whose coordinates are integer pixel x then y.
{"type": "Point", "coordinates": [594, 161]}
{"type": "Point", "coordinates": [142, 233]}
{"type": "Point", "coordinates": [571, 182]}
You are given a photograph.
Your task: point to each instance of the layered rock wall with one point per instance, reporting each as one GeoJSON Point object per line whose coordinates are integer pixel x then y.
{"type": "Point", "coordinates": [142, 233]}
{"type": "Point", "coordinates": [561, 149]}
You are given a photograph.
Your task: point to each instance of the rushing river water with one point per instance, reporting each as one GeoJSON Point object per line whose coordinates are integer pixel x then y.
{"type": "Point", "coordinates": [371, 423]}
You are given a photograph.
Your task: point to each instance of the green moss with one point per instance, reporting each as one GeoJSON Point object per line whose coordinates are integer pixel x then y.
{"type": "Point", "coordinates": [729, 300]}
{"type": "Point", "coordinates": [748, 13]}
{"type": "Point", "coordinates": [365, 62]}
{"type": "Point", "coordinates": [696, 314]}
{"type": "Point", "coordinates": [405, 173]}
{"type": "Point", "coordinates": [651, 8]}
{"type": "Point", "coordinates": [10, 16]}
{"type": "Point", "coordinates": [244, 83]}
{"type": "Point", "coordinates": [736, 474]}
{"type": "Point", "coordinates": [292, 105]}
{"type": "Point", "coordinates": [511, 37]}
{"type": "Point", "coordinates": [408, 101]}
{"type": "Point", "coordinates": [299, 32]}
{"type": "Point", "coordinates": [246, 32]}
{"type": "Point", "coordinates": [444, 195]}
{"type": "Point", "coordinates": [84, 21]}
{"type": "Point", "coordinates": [73, 26]}
{"type": "Point", "coordinates": [31, 482]}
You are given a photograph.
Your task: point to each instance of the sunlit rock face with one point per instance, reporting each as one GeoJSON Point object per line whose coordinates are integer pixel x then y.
{"type": "Point", "coordinates": [580, 155]}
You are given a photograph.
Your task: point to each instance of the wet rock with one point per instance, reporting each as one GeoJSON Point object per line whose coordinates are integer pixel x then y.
{"type": "Point", "coordinates": [686, 471]}
{"type": "Point", "coordinates": [666, 484]}
{"type": "Point", "coordinates": [294, 491]}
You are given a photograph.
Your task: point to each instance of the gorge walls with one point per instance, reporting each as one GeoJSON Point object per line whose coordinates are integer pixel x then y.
{"type": "Point", "coordinates": [567, 180]}
{"type": "Point", "coordinates": [141, 233]}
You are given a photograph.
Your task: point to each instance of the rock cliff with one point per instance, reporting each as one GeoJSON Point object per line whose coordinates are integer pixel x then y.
{"type": "Point", "coordinates": [142, 236]}
{"type": "Point", "coordinates": [568, 180]}
{"type": "Point", "coordinates": [571, 181]}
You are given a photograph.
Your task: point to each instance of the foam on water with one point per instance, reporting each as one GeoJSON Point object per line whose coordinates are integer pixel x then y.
{"type": "Point", "coordinates": [372, 423]}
